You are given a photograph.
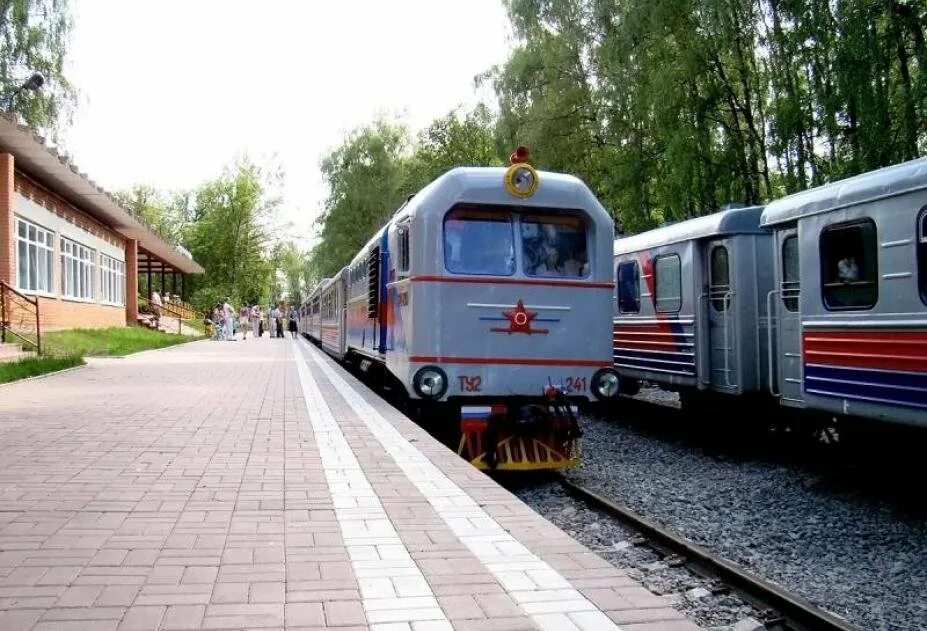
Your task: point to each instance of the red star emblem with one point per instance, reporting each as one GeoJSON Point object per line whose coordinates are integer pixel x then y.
{"type": "Point", "coordinates": [519, 321]}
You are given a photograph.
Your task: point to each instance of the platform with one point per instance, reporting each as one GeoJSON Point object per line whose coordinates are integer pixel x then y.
{"type": "Point", "coordinates": [255, 484]}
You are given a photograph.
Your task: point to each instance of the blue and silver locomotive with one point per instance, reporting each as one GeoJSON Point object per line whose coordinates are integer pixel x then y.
{"type": "Point", "coordinates": [487, 295]}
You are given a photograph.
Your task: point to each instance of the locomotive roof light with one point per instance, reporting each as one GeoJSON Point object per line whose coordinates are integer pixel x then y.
{"type": "Point", "coordinates": [430, 382]}
{"type": "Point", "coordinates": [605, 384]}
{"type": "Point", "coordinates": [521, 180]}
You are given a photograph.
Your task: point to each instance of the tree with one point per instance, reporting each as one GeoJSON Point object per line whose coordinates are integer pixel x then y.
{"type": "Point", "coordinates": [164, 213]}
{"type": "Point", "coordinates": [377, 167]}
{"type": "Point", "coordinates": [226, 232]}
{"type": "Point", "coordinates": [34, 36]}
{"type": "Point", "coordinates": [366, 181]}
{"type": "Point", "coordinates": [291, 264]}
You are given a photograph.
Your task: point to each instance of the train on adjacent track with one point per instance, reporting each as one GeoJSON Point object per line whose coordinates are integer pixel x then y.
{"type": "Point", "coordinates": [498, 300]}
{"type": "Point", "coordinates": [817, 301]}
{"type": "Point", "coordinates": [488, 298]}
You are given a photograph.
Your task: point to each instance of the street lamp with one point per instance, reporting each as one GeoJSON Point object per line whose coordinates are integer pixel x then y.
{"type": "Point", "coordinates": [35, 82]}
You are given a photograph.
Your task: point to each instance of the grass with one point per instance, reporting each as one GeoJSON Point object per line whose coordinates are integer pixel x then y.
{"type": "Point", "coordinates": [107, 342]}
{"type": "Point", "coordinates": [33, 366]}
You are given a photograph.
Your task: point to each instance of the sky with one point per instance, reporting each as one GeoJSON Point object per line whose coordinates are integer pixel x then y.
{"type": "Point", "coordinates": [173, 91]}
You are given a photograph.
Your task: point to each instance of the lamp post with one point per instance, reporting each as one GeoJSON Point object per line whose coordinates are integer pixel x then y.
{"type": "Point", "coordinates": [35, 82]}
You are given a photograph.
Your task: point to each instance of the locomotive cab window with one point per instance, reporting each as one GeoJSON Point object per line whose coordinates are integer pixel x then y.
{"type": "Point", "coordinates": [667, 283]}
{"type": "Point", "coordinates": [922, 253]}
{"type": "Point", "coordinates": [402, 255]}
{"type": "Point", "coordinates": [479, 242]}
{"type": "Point", "coordinates": [554, 246]}
{"type": "Point", "coordinates": [720, 288]}
{"type": "Point", "coordinates": [849, 265]}
{"type": "Point", "coordinates": [629, 287]}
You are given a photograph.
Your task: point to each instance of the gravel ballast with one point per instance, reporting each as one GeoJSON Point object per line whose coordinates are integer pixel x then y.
{"type": "Point", "coordinates": [854, 555]}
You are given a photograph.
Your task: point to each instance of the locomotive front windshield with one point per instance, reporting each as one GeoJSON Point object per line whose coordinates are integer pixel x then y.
{"type": "Point", "coordinates": [479, 242]}
{"type": "Point", "coordinates": [482, 242]}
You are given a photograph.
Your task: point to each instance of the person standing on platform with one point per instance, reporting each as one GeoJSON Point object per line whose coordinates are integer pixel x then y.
{"type": "Point", "coordinates": [257, 325]}
{"type": "Point", "coordinates": [155, 305]}
{"type": "Point", "coordinates": [228, 315]}
{"type": "Point", "coordinates": [293, 321]}
{"type": "Point", "coordinates": [277, 316]}
{"type": "Point", "coordinates": [244, 320]}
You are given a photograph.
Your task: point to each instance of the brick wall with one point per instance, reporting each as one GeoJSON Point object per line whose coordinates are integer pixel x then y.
{"type": "Point", "coordinates": [7, 245]}
{"type": "Point", "coordinates": [56, 314]}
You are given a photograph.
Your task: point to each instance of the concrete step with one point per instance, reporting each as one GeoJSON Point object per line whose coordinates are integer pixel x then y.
{"type": "Point", "coordinates": [11, 352]}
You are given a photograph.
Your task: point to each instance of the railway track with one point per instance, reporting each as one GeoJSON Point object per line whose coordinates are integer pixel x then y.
{"type": "Point", "coordinates": [793, 612]}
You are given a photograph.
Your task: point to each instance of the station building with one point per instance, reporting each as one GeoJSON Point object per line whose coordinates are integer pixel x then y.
{"type": "Point", "coordinates": [68, 245]}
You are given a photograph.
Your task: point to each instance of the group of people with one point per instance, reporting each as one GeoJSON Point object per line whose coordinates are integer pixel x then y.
{"type": "Point", "coordinates": [226, 326]}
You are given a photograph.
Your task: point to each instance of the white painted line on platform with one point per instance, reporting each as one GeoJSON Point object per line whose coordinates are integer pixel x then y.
{"type": "Point", "coordinates": [542, 592]}
{"type": "Point", "coordinates": [393, 588]}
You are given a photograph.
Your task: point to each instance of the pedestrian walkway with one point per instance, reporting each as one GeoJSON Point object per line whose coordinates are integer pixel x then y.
{"type": "Point", "coordinates": [258, 485]}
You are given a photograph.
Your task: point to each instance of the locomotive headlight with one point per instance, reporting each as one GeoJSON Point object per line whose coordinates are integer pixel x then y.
{"type": "Point", "coordinates": [430, 382]}
{"type": "Point", "coordinates": [521, 180]}
{"type": "Point", "coordinates": [605, 384]}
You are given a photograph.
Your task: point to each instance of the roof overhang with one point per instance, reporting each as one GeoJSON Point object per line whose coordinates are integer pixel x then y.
{"type": "Point", "coordinates": [56, 172]}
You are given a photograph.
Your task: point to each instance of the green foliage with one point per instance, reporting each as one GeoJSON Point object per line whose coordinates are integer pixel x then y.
{"type": "Point", "coordinates": [672, 108]}
{"type": "Point", "coordinates": [34, 35]}
{"type": "Point", "coordinates": [294, 272]}
{"type": "Point", "coordinates": [377, 167]}
{"type": "Point", "coordinates": [163, 213]}
{"type": "Point", "coordinates": [121, 340]}
{"type": "Point", "coordinates": [34, 366]}
{"type": "Point", "coordinates": [366, 180]}
{"type": "Point", "coordinates": [225, 230]}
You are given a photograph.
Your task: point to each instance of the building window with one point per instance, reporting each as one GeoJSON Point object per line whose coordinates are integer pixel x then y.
{"type": "Point", "coordinates": [76, 270]}
{"type": "Point", "coordinates": [668, 283]}
{"type": "Point", "coordinates": [112, 280]}
{"type": "Point", "coordinates": [629, 287]}
{"type": "Point", "coordinates": [719, 288]}
{"type": "Point", "coordinates": [791, 282]}
{"type": "Point", "coordinates": [922, 253]}
{"type": "Point", "coordinates": [35, 255]}
{"type": "Point", "coordinates": [849, 265]}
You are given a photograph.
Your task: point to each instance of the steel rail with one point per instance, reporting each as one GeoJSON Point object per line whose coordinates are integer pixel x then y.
{"type": "Point", "coordinates": [793, 608]}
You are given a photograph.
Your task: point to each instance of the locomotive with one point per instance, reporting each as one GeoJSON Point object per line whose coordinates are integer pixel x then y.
{"type": "Point", "coordinates": [817, 302]}
{"type": "Point", "coordinates": [487, 297]}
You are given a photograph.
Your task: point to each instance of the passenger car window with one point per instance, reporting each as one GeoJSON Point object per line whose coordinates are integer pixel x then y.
{"type": "Point", "coordinates": [629, 287]}
{"type": "Point", "coordinates": [922, 253]}
{"type": "Point", "coordinates": [667, 283]}
{"type": "Point", "coordinates": [791, 284]}
{"type": "Point", "coordinates": [479, 242]}
{"type": "Point", "coordinates": [849, 265]}
{"type": "Point", "coordinates": [720, 283]}
{"type": "Point", "coordinates": [554, 246]}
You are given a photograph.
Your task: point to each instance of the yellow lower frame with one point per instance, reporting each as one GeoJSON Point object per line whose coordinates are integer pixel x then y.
{"type": "Point", "coordinates": [513, 455]}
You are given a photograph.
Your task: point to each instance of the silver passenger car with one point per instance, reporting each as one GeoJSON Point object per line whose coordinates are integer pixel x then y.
{"type": "Point", "coordinates": [851, 296]}
{"type": "Point", "coordinates": [691, 304]}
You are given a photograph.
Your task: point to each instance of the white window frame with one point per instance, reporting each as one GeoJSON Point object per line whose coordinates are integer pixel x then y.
{"type": "Point", "coordinates": [77, 271]}
{"type": "Point", "coordinates": [112, 281]}
{"type": "Point", "coordinates": [44, 246]}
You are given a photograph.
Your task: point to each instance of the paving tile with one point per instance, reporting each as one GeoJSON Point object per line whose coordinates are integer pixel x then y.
{"type": "Point", "coordinates": [214, 511]}
{"type": "Point", "coordinates": [142, 618]}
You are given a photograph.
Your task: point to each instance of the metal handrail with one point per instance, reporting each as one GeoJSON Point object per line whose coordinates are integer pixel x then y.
{"type": "Point", "coordinates": [771, 351]}
{"type": "Point", "coordinates": [4, 321]}
{"type": "Point", "coordinates": [185, 313]}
